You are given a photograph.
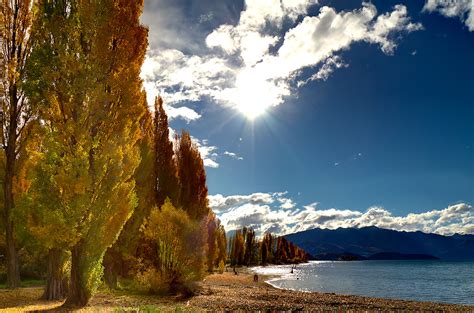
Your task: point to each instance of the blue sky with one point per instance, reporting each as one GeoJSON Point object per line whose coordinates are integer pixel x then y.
{"type": "Point", "coordinates": [323, 113]}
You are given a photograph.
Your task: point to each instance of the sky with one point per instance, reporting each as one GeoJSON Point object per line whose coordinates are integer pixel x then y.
{"type": "Point", "coordinates": [312, 113]}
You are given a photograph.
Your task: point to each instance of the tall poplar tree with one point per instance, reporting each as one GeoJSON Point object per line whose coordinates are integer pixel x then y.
{"type": "Point", "coordinates": [87, 73]}
{"type": "Point", "coordinates": [118, 258]}
{"type": "Point", "coordinates": [192, 177]}
{"type": "Point", "coordinates": [15, 26]}
{"type": "Point", "coordinates": [167, 184]}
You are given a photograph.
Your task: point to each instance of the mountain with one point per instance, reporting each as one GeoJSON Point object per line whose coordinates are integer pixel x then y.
{"type": "Point", "coordinates": [370, 242]}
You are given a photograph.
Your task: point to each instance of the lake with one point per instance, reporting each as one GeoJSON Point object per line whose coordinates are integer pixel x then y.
{"type": "Point", "coordinates": [437, 281]}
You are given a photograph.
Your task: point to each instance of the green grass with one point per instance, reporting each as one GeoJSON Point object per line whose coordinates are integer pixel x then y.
{"type": "Point", "coordinates": [26, 283]}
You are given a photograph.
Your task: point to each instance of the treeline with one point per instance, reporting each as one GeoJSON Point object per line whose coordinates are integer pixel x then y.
{"type": "Point", "coordinates": [245, 249]}
{"type": "Point", "coordinates": [90, 179]}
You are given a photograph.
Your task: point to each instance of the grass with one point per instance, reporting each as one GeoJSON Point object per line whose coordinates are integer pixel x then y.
{"type": "Point", "coordinates": [27, 299]}
{"type": "Point", "coordinates": [26, 283]}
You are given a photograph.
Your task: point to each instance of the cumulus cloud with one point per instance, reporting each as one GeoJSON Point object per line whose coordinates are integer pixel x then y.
{"type": "Point", "coordinates": [255, 63]}
{"type": "Point", "coordinates": [462, 9]}
{"type": "Point", "coordinates": [233, 155]}
{"type": "Point", "coordinates": [220, 203]}
{"type": "Point", "coordinates": [277, 213]}
{"type": "Point", "coordinates": [210, 154]}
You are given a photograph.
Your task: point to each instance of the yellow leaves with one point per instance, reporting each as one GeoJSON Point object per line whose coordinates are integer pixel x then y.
{"type": "Point", "coordinates": [181, 241]}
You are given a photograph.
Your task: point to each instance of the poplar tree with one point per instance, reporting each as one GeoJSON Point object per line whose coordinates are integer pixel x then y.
{"type": "Point", "coordinates": [221, 245]}
{"type": "Point", "coordinates": [87, 73]}
{"type": "Point", "coordinates": [167, 184]}
{"type": "Point", "coordinates": [122, 255]}
{"type": "Point", "coordinates": [16, 114]}
{"type": "Point", "coordinates": [192, 177]}
{"type": "Point", "coordinates": [212, 244]}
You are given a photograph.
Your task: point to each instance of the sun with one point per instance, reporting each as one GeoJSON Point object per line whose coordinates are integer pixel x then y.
{"type": "Point", "coordinates": [251, 110]}
{"type": "Point", "coordinates": [254, 95]}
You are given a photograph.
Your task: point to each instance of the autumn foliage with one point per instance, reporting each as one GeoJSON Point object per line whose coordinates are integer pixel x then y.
{"type": "Point", "coordinates": [245, 249]}
{"type": "Point", "coordinates": [90, 178]}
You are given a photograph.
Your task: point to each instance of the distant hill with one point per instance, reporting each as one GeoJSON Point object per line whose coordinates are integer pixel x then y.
{"type": "Point", "coordinates": [377, 243]}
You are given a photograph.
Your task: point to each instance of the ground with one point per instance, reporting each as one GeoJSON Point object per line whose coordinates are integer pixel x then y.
{"type": "Point", "coordinates": [222, 292]}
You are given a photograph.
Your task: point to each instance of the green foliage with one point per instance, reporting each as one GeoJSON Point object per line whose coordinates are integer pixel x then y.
{"type": "Point", "coordinates": [84, 75]}
{"type": "Point", "coordinates": [181, 248]}
{"type": "Point", "coordinates": [121, 258]}
{"type": "Point", "coordinates": [98, 164]}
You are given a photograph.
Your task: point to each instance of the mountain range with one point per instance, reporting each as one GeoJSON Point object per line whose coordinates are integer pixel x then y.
{"type": "Point", "coordinates": [376, 244]}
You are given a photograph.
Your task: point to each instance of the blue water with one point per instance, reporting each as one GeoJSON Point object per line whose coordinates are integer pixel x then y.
{"type": "Point", "coordinates": [437, 281]}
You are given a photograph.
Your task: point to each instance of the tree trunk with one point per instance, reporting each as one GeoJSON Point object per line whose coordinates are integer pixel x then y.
{"type": "Point", "coordinates": [78, 293]}
{"type": "Point", "coordinates": [13, 267]}
{"type": "Point", "coordinates": [56, 284]}
{"type": "Point", "coordinates": [86, 271]}
{"type": "Point", "coordinates": [111, 267]}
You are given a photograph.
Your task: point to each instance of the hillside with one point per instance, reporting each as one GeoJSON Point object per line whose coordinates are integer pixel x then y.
{"type": "Point", "coordinates": [369, 241]}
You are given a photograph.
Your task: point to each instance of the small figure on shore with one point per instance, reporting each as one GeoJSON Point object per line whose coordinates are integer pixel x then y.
{"type": "Point", "coordinates": [235, 272]}
{"type": "Point", "coordinates": [255, 278]}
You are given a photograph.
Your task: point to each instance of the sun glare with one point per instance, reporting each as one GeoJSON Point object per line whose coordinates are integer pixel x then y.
{"type": "Point", "coordinates": [254, 94]}
{"type": "Point", "coordinates": [251, 110]}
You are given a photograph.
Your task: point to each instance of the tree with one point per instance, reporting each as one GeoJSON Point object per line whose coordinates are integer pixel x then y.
{"type": "Point", "coordinates": [180, 254]}
{"type": "Point", "coordinates": [121, 257]}
{"type": "Point", "coordinates": [192, 177]}
{"type": "Point", "coordinates": [167, 184]}
{"type": "Point", "coordinates": [15, 26]}
{"type": "Point", "coordinates": [46, 217]}
{"type": "Point", "coordinates": [212, 245]}
{"type": "Point", "coordinates": [238, 249]}
{"type": "Point", "coordinates": [221, 244]}
{"type": "Point", "coordinates": [85, 76]}
{"type": "Point", "coordinates": [267, 254]}
{"type": "Point", "coordinates": [250, 253]}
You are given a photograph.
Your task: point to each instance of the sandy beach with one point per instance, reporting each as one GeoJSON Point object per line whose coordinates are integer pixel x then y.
{"type": "Point", "coordinates": [226, 292]}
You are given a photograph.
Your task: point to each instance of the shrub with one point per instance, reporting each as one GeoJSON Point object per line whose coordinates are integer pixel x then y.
{"type": "Point", "coordinates": [180, 244]}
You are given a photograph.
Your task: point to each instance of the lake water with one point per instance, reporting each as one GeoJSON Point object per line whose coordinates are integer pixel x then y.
{"type": "Point", "coordinates": [438, 281]}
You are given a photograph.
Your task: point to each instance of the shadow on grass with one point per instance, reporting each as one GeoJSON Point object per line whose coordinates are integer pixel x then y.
{"type": "Point", "coordinates": [106, 300]}
{"type": "Point", "coordinates": [26, 284]}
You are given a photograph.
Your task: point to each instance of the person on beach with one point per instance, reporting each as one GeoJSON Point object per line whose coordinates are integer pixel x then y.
{"type": "Point", "coordinates": [255, 278]}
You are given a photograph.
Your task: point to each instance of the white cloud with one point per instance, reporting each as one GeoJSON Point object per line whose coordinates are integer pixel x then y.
{"type": "Point", "coordinates": [462, 9]}
{"type": "Point", "coordinates": [210, 154]}
{"type": "Point", "coordinates": [181, 112]}
{"type": "Point", "coordinates": [254, 64]}
{"type": "Point", "coordinates": [277, 213]}
{"type": "Point", "coordinates": [177, 77]}
{"type": "Point", "coordinates": [220, 203]}
{"type": "Point", "coordinates": [222, 38]}
{"type": "Point", "coordinates": [329, 66]}
{"type": "Point", "coordinates": [233, 155]}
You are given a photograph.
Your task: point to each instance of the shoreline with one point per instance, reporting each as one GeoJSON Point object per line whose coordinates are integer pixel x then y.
{"type": "Point", "coordinates": [239, 292]}
{"type": "Point", "coordinates": [222, 293]}
{"type": "Point", "coordinates": [292, 299]}
{"type": "Point", "coordinates": [285, 276]}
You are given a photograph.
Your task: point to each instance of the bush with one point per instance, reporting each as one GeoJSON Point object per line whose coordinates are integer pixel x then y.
{"type": "Point", "coordinates": [180, 244]}
{"type": "Point", "coordinates": [221, 266]}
